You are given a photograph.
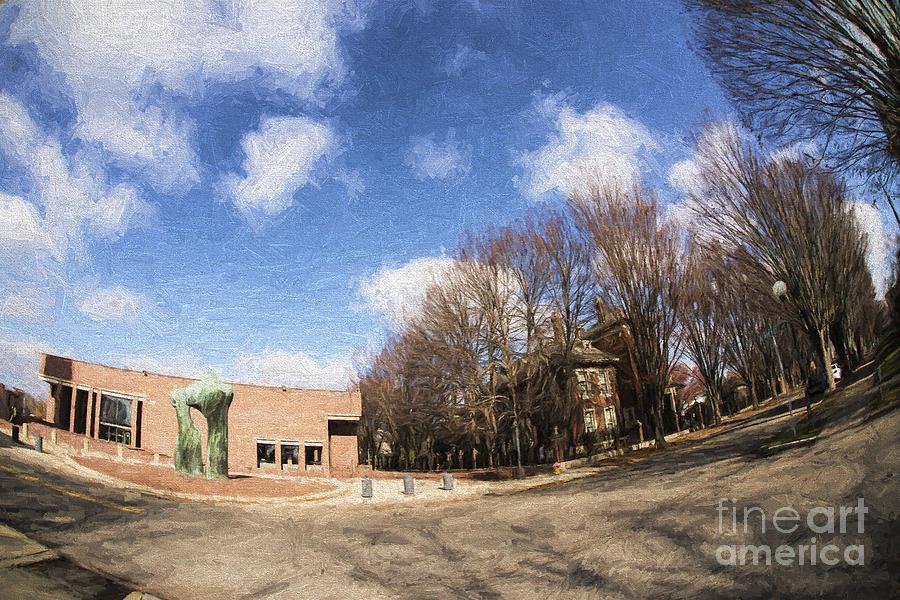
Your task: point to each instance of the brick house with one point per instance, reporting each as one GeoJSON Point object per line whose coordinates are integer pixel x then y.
{"type": "Point", "coordinates": [591, 378]}
{"type": "Point", "coordinates": [300, 431]}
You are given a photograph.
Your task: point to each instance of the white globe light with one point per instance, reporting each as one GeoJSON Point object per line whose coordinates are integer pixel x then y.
{"type": "Point", "coordinates": [779, 289]}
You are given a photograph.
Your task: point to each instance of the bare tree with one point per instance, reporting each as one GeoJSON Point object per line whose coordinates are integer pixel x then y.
{"type": "Point", "coordinates": [702, 326]}
{"type": "Point", "coordinates": [802, 69]}
{"type": "Point", "coordinates": [742, 326]}
{"type": "Point", "coordinates": [570, 290]}
{"type": "Point", "coordinates": [527, 272]}
{"type": "Point", "coordinates": [780, 219]}
{"type": "Point", "coordinates": [639, 271]}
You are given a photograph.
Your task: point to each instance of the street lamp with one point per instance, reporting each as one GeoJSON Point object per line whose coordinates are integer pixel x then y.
{"type": "Point", "coordinates": [780, 290]}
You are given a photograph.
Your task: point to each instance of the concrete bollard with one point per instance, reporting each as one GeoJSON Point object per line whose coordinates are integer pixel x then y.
{"type": "Point", "coordinates": [84, 447]}
{"type": "Point", "coordinates": [38, 444]}
{"type": "Point", "coordinates": [120, 451]}
{"type": "Point", "coordinates": [25, 431]}
{"type": "Point", "coordinates": [409, 485]}
{"type": "Point", "coordinates": [15, 433]}
{"type": "Point", "coordinates": [366, 487]}
{"type": "Point", "coordinates": [53, 436]}
{"type": "Point", "coordinates": [155, 458]}
{"type": "Point", "coordinates": [448, 482]}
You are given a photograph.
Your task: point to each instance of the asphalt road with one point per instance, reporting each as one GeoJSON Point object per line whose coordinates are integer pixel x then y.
{"type": "Point", "coordinates": [642, 530]}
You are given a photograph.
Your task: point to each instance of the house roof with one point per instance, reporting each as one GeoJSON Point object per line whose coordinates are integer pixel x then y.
{"type": "Point", "coordinates": [584, 353]}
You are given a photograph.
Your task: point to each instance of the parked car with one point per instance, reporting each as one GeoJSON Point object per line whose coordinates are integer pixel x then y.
{"type": "Point", "coordinates": [836, 372]}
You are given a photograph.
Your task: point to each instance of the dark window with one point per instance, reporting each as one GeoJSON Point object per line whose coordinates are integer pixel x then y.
{"type": "Point", "coordinates": [115, 419]}
{"type": "Point", "coordinates": [265, 453]}
{"type": "Point", "coordinates": [137, 424]}
{"type": "Point", "coordinates": [94, 413]}
{"type": "Point", "coordinates": [63, 406]}
{"type": "Point", "coordinates": [81, 410]}
{"type": "Point", "coordinates": [313, 455]}
{"type": "Point", "coordinates": [290, 454]}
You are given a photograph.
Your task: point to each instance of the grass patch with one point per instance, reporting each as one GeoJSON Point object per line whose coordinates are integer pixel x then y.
{"type": "Point", "coordinates": [887, 356]}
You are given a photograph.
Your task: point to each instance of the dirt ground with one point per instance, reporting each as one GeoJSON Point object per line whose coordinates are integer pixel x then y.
{"type": "Point", "coordinates": [639, 529]}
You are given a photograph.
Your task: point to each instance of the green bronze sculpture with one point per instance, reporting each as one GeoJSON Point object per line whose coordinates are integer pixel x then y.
{"type": "Point", "coordinates": [187, 446]}
{"type": "Point", "coordinates": [212, 398]}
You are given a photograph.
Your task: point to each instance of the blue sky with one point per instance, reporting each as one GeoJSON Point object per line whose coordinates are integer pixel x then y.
{"type": "Point", "coordinates": [262, 188]}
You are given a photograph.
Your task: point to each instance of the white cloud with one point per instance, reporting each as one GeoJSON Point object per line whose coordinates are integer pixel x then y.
{"type": "Point", "coordinates": [146, 140]}
{"type": "Point", "coordinates": [268, 367]}
{"type": "Point", "coordinates": [23, 228]}
{"type": "Point", "coordinates": [71, 193]}
{"type": "Point", "coordinates": [352, 181]}
{"type": "Point", "coordinates": [878, 258]}
{"type": "Point", "coordinates": [19, 364]}
{"type": "Point", "coordinates": [796, 151]}
{"type": "Point", "coordinates": [112, 52]}
{"type": "Point", "coordinates": [397, 293]}
{"type": "Point", "coordinates": [179, 364]}
{"type": "Point", "coordinates": [280, 158]}
{"type": "Point", "coordinates": [293, 369]}
{"type": "Point", "coordinates": [67, 205]}
{"type": "Point", "coordinates": [113, 304]}
{"type": "Point", "coordinates": [460, 59]}
{"type": "Point", "coordinates": [602, 146]}
{"type": "Point", "coordinates": [430, 159]}
{"type": "Point", "coordinates": [685, 177]}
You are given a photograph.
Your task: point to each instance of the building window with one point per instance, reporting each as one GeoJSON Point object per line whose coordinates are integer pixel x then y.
{"type": "Point", "coordinates": [115, 419]}
{"type": "Point", "coordinates": [63, 405]}
{"type": "Point", "coordinates": [603, 383]}
{"type": "Point", "coordinates": [265, 454]}
{"type": "Point", "coordinates": [585, 391]}
{"type": "Point", "coordinates": [609, 415]}
{"type": "Point", "coordinates": [290, 454]}
{"type": "Point", "coordinates": [313, 455]}
{"type": "Point", "coordinates": [590, 420]}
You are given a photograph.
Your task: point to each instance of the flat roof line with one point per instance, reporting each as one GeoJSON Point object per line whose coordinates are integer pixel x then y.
{"type": "Point", "coordinates": [142, 372]}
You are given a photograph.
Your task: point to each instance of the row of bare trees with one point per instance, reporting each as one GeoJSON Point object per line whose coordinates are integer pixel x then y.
{"type": "Point", "coordinates": [480, 376]}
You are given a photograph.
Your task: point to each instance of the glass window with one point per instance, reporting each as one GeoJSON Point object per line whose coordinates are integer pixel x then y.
{"type": "Point", "coordinates": [590, 420]}
{"type": "Point", "coordinates": [313, 455]}
{"type": "Point", "coordinates": [265, 453]}
{"type": "Point", "coordinates": [603, 383]}
{"type": "Point", "coordinates": [290, 454]}
{"type": "Point", "coordinates": [609, 414]}
{"type": "Point", "coordinates": [115, 419]}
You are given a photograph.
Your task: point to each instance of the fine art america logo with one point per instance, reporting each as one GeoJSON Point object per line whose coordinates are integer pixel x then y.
{"type": "Point", "coordinates": [824, 521]}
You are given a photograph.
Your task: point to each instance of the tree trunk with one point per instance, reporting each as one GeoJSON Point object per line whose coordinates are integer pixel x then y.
{"type": "Point", "coordinates": [519, 469]}
{"type": "Point", "coordinates": [717, 412]}
{"type": "Point", "coordinates": [825, 357]}
{"type": "Point", "coordinates": [659, 433]}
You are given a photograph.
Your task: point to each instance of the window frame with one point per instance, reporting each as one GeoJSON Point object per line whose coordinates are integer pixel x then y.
{"type": "Point", "coordinates": [590, 424]}
{"type": "Point", "coordinates": [115, 431]}
{"type": "Point", "coordinates": [259, 462]}
{"type": "Point", "coordinates": [312, 446]}
{"type": "Point", "coordinates": [289, 444]}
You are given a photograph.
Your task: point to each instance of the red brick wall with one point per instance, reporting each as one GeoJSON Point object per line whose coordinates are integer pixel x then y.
{"type": "Point", "coordinates": [257, 412]}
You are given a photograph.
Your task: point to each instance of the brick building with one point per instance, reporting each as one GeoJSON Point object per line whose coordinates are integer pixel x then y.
{"type": "Point", "coordinates": [12, 403]}
{"type": "Point", "coordinates": [269, 428]}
